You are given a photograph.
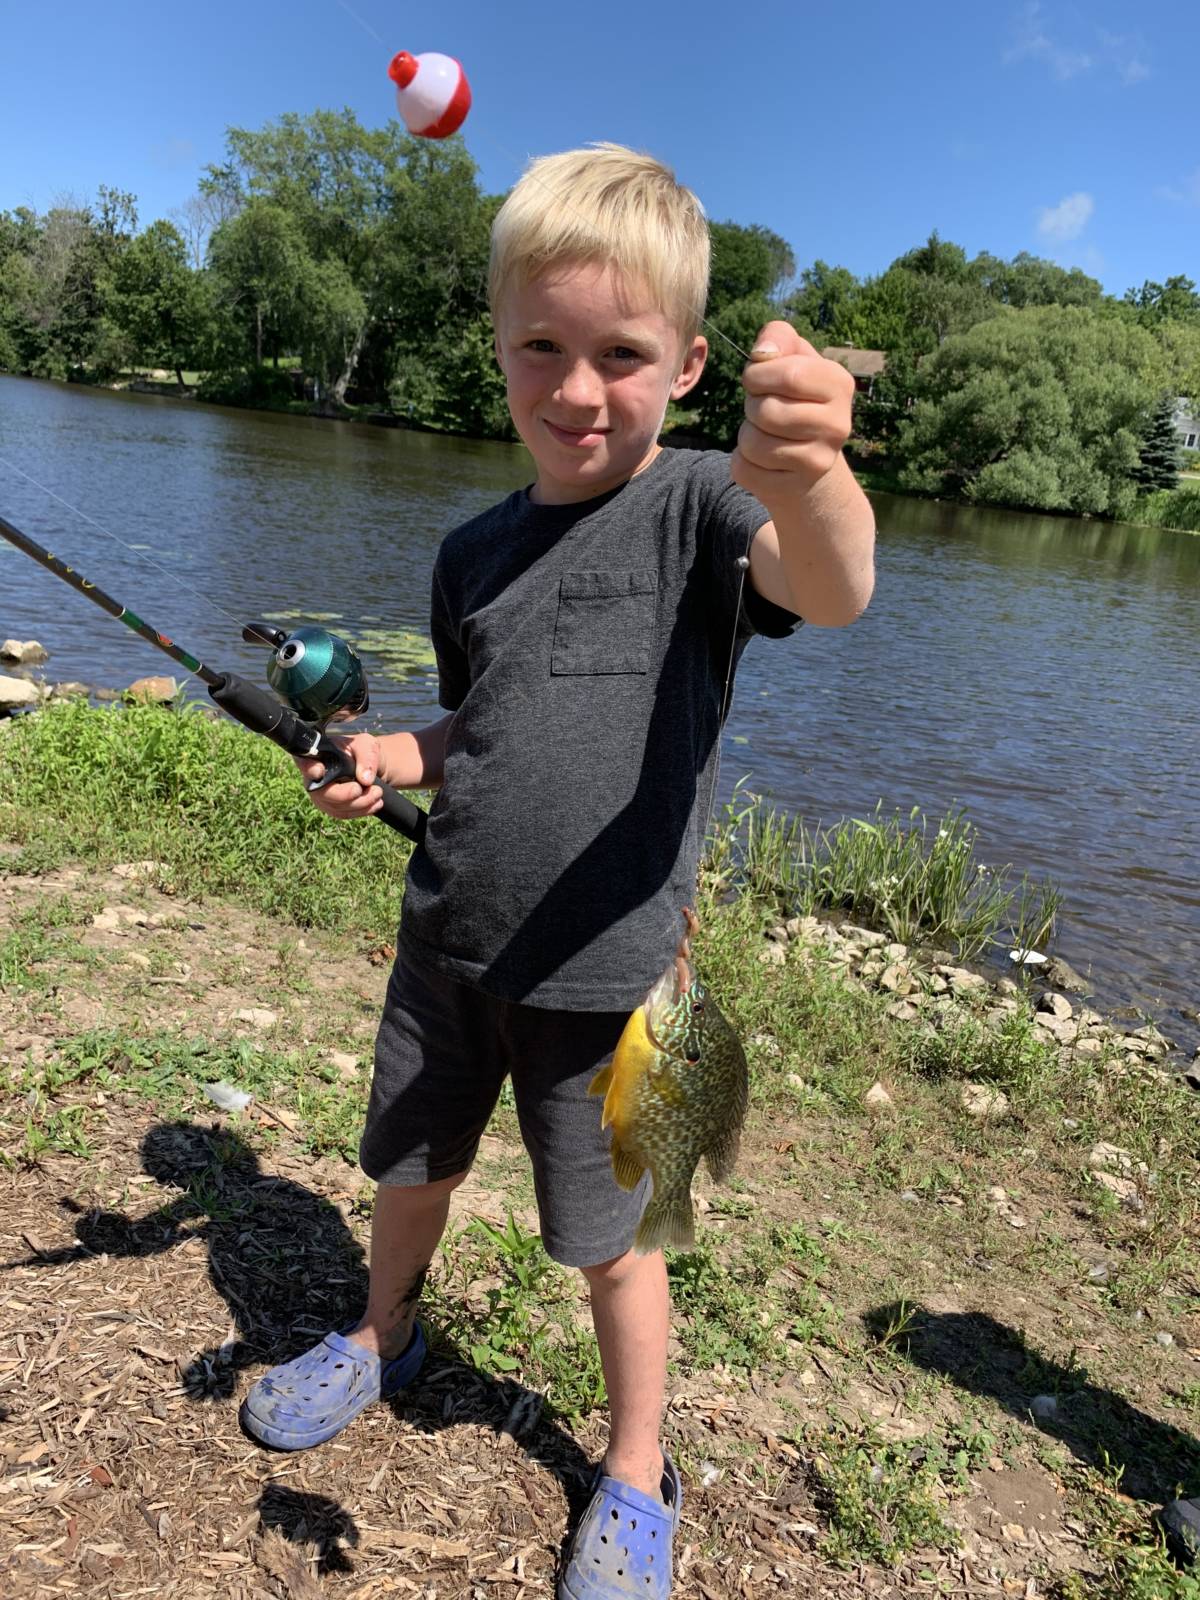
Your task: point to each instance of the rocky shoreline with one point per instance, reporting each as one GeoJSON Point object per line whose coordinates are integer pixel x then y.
{"type": "Point", "coordinates": [932, 988]}
{"type": "Point", "coordinates": [929, 985]}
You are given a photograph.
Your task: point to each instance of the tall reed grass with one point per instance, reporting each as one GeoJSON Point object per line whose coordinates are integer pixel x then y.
{"type": "Point", "coordinates": [909, 877]}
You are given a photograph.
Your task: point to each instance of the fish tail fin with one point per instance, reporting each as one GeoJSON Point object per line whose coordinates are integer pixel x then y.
{"type": "Point", "coordinates": [627, 1170]}
{"type": "Point", "coordinates": [667, 1220]}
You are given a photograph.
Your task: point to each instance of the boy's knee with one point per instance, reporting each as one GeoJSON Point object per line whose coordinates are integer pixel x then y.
{"type": "Point", "coordinates": [416, 1193]}
{"type": "Point", "coordinates": [605, 1274]}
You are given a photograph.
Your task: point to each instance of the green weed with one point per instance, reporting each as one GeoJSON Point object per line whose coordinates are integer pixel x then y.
{"type": "Point", "coordinates": [882, 1500]}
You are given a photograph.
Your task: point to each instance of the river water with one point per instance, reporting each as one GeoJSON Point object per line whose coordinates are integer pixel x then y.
{"type": "Point", "coordinates": [1043, 673]}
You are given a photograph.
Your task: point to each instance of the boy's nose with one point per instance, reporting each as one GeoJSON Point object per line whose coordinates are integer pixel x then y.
{"type": "Point", "coordinates": [581, 385]}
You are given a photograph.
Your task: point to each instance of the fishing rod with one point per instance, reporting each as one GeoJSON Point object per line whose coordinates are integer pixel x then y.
{"type": "Point", "coordinates": [317, 677]}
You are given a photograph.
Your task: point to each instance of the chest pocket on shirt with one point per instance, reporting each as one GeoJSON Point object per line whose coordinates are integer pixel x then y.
{"type": "Point", "coordinates": [605, 622]}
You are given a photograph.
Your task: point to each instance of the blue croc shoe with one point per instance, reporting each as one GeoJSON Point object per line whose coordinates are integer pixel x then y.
{"type": "Point", "coordinates": [622, 1547]}
{"type": "Point", "coordinates": [310, 1399]}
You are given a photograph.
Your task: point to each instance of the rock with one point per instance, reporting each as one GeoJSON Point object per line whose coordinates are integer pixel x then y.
{"type": "Point", "coordinates": [1089, 1046]}
{"type": "Point", "coordinates": [895, 952]}
{"type": "Point", "coordinates": [257, 1017]}
{"type": "Point", "coordinates": [115, 919]}
{"type": "Point", "coordinates": [773, 955]}
{"type": "Point", "coordinates": [997, 1193]}
{"type": "Point", "coordinates": [1007, 987]}
{"type": "Point", "coordinates": [1061, 1029]}
{"type": "Point", "coordinates": [903, 1011]}
{"type": "Point", "coordinates": [878, 1101]}
{"type": "Point", "coordinates": [1044, 1406]}
{"type": "Point", "coordinates": [157, 690]}
{"type": "Point", "coordinates": [136, 958]}
{"type": "Point", "coordinates": [981, 1101]}
{"type": "Point", "coordinates": [1105, 1157]}
{"type": "Point", "coordinates": [936, 984]}
{"type": "Point", "coordinates": [1056, 1004]}
{"type": "Point", "coordinates": [962, 981]}
{"type": "Point", "coordinates": [18, 692]}
{"type": "Point", "coordinates": [1165, 1339]}
{"type": "Point", "coordinates": [867, 937]}
{"type": "Point", "coordinates": [802, 927]}
{"type": "Point", "coordinates": [778, 933]}
{"type": "Point", "coordinates": [23, 653]}
{"type": "Point", "coordinates": [71, 690]}
{"type": "Point", "coordinates": [909, 1196]}
{"type": "Point", "coordinates": [137, 869]}
{"type": "Point", "coordinates": [343, 1062]}
{"type": "Point", "coordinates": [1064, 976]}
{"type": "Point", "coordinates": [767, 1043]}
{"type": "Point", "coordinates": [897, 979]}
{"type": "Point", "coordinates": [1125, 1189]}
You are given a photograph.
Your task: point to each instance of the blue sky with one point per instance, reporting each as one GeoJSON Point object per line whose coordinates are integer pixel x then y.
{"type": "Point", "coordinates": [851, 130]}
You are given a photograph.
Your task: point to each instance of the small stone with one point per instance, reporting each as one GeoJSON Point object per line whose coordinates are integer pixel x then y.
{"type": "Point", "coordinates": [1164, 1339]}
{"type": "Point", "coordinates": [135, 958]}
{"type": "Point", "coordinates": [1064, 976]}
{"type": "Point", "coordinates": [1056, 1004]}
{"type": "Point", "coordinates": [1013, 1532]}
{"type": "Point", "coordinates": [1089, 1045]}
{"type": "Point", "coordinates": [23, 652]}
{"type": "Point", "coordinates": [157, 690]}
{"type": "Point", "coordinates": [962, 981]}
{"type": "Point", "coordinates": [1125, 1189]}
{"type": "Point", "coordinates": [1007, 987]}
{"type": "Point", "coordinates": [1098, 1272]}
{"type": "Point", "coordinates": [864, 936]}
{"type": "Point", "coordinates": [257, 1017]}
{"type": "Point", "coordinates": [1061, 1029]}
{"type": "Point", "coordinates": [773, 955]}
{"type": "Point", "coordinates": [343, 1062]}
{"type": "Point", "coordinates": [878, 1101]}
{"type": "Point", "coordinates": [1104, 1157]}
{"type": "Point", "coordinates": [767, 1043]}
{"type": "Point", "coordinates": [72, 689]}
{"type": "Point", "coordinates": [895, 952]}
{"type": "Point", "coordinates": [903, 1011]}
{"type": "Point", "coordinates": [778, 933]}
{"type": "Point", "coordinates": [997, 1193]}
{"type": "Point", "coordinates": [794, 1080]}
{"type": "Point", "coordinates": [897, 979]}
{"type": "Point", "coordinates": [17, 692]}
{"type": "Point", "coordinates": [1044, 1405]}
{"type": "Point", "coordinates": [909, 1196]}
{"type": "Point", "coordinates": [982, 1102]}
{"type": "Point", "coordinates": [1016, 1219]}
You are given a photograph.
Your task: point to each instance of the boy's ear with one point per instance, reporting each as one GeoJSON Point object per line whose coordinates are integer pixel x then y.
{"type": "Point", "coordinates": [693, 366]}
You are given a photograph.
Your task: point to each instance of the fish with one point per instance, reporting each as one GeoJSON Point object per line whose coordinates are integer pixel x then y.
{"type": "Point", "coordinates": [676, 1090]}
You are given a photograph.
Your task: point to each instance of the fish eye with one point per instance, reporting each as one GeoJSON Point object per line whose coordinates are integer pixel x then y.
{"type": "Point", "coordinates": [693, 1056]}
{"type": "Point", "coordinates": [697, 1007]}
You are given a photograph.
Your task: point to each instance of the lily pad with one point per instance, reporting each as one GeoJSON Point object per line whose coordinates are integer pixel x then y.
{"type": "Point", "coordinates": [307, 616]}
{"type": "Point", "coordinates": [401, 650]}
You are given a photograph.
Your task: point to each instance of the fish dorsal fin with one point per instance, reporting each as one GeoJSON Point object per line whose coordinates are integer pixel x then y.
{"type": "Point", "coordinates": [626, 1169]}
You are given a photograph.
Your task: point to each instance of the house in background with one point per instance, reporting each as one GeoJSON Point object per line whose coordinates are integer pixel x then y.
{"type": "Point", "coordinates": [864, 366]}
{"type": "Point", "coordinates": [1187, 423]}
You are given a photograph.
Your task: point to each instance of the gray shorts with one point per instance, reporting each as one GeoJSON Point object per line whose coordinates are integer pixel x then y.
{"type": "Point", "coordinates": [442, 1054]}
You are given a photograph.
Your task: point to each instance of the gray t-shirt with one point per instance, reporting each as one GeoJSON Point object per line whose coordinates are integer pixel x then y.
{"type": "Point", "coordinates": [584, 651]}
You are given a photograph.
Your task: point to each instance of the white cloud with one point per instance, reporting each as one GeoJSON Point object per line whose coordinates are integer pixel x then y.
{"type": "Point", "coordinates": [1186, 193]}
{"type": "Point", "coordinates": [1068, 218]}
{"type": "Point", "coordinates": [1033, 43]}
{"type": "Point", "coordinates": [1034, 40]}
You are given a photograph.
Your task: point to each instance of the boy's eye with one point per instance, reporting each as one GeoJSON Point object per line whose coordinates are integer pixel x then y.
{"type": "Point", "coordinates": [542, 346]}
{"type": "Point", "coordinates": [622, 352]}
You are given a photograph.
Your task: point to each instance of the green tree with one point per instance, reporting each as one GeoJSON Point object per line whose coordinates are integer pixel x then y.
{"type": "Point", "coordinates": [824, 299]}
{"type": "Point", "coordinates": [1176, 300]}
{"type": "Point", "coordinates": [1159, 455]}
{"type": "Point", "coordinates": [154, 301]}
{"type": "Point", "coordinates": [1042, 408]}
{"type": "Point", "coordinates": [260, 265]}
{"type": "Point", "coordinates": [1029, 280]}
{"type": "Point", "coordinates": [746, 261]}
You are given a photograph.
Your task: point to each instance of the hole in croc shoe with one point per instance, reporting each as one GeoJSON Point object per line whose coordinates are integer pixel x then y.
{"type": "Point", "coordinates": [633, 1522]}
{"type": "Point", "coordinates": [603, 1538]}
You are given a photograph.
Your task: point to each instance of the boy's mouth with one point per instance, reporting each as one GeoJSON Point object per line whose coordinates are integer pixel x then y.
{"type": "Point", "coordinates": [575, 437]}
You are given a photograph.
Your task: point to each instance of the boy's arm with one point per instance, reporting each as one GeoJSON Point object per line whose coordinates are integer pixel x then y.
{"type": "Point", "coordinates": [816, 555]}
{"type": "Point", "coordinates": [414, 760]}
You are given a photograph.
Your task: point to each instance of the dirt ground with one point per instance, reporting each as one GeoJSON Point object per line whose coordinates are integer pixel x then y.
{"type": "Point", "coordinates": [133, 1318]}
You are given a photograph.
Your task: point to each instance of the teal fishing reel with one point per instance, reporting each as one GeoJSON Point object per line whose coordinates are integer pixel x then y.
{"type": "Point", "coordinates": [316, 674]}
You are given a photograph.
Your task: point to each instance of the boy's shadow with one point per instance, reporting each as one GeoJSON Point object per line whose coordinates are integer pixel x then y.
{"type": "Point", "coordinates": [1096, 1424]}
{"type": "Point", "coordinates": [289, 1269]}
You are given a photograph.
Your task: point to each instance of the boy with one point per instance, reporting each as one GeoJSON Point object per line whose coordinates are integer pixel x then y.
{"type": "Point", "coordinates": [585, 631]}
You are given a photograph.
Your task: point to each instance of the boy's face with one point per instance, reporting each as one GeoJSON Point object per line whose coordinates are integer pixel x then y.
{"type": "Point", "coordinates": [590, 365]}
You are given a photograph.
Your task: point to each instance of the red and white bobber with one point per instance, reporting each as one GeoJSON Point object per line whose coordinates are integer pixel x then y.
{"type": "Point", "coordinates": [432, 92]}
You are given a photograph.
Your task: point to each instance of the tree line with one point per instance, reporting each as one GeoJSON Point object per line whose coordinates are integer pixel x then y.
{"type": "Point", "coordinates": [358, 258]}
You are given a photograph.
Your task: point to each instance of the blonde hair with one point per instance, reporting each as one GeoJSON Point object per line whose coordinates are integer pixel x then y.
{"type": "Point", "coordinates": [611, 206]}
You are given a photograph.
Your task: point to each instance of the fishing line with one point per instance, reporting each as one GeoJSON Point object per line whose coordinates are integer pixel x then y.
{"type": "Point", "coordinates": [187, 588]}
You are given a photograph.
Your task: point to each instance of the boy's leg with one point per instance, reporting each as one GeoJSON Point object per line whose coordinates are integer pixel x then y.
{"type": "Point", "coordinates": [405, 1228]}
{"type": "Point", "coordinates": [631, 1311]}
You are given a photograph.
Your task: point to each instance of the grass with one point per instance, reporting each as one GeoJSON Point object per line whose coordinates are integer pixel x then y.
{"type": "Point", "coordinates": [912, 878]}
{"type": "Point", "coordinates": [813, 1225]}
{"type": "Point", "coordinates": [1170, 508]}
